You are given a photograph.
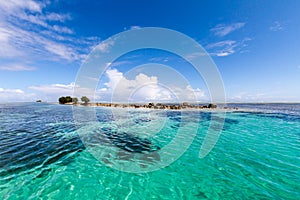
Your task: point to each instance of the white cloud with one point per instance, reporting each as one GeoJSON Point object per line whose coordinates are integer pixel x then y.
{"type": "Point", "coordinates": [60, 50]}
{"type": "Point", "coordinates": [132, 28]}
{"type": "Point", "coordinates": [114, 78]}
{"type": "Point", "coordinates": [119, 63]}
{"type": "Point", "coordinates": [223, 29]}
{"type": "Point", "coordinates": [62, 29]}
{"type": "Point", "coordinates": [57, 17]}
{"type": "Point", "coordinates": [55, 89]}
{"type": "Point", "coordinates": [17, 91]}
{"type": "Point", "coordinates": [221, 44]}
{"type": "Point", "coordinates": [226, 47]}
{"type": "Point", "coordinates": [17, 5]}
{"type": "Point", "coordinates": [15, 95]}
{"type": "Point", "coordinates": [21, 43]}
{"type": "Point", "coordinates": [105, 46]}
{"type": "Point", "coordinates": [34, 19]}
{"type": "Point", "coordinates": [223, 48]}
{"type": "Point", "coordinates": [277, 26]}
{"type": "Point", "coordinates": [7, 49]}
{"type": "Point", "coordinates": [135, 27]}
{"type": "Point", "coordinates": [51, 92]}
{"type": "Point", "coordinates": [143, 88]}
{"type": "Point", "coordinates": [16, 67]}
{"type": "Point", "coordinates": [29, 31]}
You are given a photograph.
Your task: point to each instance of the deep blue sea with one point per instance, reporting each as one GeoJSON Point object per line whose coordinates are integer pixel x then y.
{"type": "Point", "coordinates": [46, 154]}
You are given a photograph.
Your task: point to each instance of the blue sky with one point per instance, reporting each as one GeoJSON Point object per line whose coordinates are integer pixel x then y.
{"type": "Point", "coordinates": [255, 45]}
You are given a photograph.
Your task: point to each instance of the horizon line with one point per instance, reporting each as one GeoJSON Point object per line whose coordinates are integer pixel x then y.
{"type": "Point", "coordinates": [275, 102]}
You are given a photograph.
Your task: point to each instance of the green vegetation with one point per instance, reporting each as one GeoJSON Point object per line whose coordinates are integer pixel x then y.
{"type": "Point", "coordinates": [74, 100]}
{"type": "Point", "coordinates": [85, 100]}
{"type": "Point", "coordinates": [63, 100]}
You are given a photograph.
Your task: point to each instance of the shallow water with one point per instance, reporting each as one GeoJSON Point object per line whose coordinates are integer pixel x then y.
{"type": "Point", "coordinates": [42, 154]}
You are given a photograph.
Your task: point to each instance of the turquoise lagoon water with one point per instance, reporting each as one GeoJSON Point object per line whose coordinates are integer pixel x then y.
{"type": "Point", "coordinates": [42, 155]}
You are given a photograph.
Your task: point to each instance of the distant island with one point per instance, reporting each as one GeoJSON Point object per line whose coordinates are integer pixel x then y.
{"type": "Point", "coordinates": [172, 106]}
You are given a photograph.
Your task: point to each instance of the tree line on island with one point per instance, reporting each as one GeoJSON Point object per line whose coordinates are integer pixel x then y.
{"type": "Point", "coordinates": [172, 106]}
{"type": "Point", "coordinates": [73, 100]}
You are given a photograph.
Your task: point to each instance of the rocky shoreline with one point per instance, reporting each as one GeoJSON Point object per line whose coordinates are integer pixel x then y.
{"type": "Point", "coordinates": [163, 106]}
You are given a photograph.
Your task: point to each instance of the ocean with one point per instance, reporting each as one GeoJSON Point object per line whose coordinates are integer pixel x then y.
{"type": "Point", "coordinates": [131, 154]}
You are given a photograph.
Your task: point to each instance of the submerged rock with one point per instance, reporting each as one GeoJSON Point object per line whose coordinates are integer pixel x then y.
{"type": "Point", "coordinates": [129, 142]}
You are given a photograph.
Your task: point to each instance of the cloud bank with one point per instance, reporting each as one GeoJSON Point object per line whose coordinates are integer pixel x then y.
{"type": "Point", "coordinates": [118, 88]}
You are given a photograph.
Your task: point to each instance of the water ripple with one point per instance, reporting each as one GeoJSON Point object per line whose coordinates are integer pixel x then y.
{"type": "Point", "coordinates": [42, 156]}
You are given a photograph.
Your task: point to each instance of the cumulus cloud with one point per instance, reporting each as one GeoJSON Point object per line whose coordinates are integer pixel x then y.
{"type": "Point", "coordinates": [117, 88]}
{"type": "Point", "coordinates": [143, 88]}
{"type": "Point", "coordinates": [223, 29]}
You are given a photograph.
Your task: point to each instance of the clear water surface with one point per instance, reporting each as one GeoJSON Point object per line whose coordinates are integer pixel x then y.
{"type": "Point", "coordinates": [256, 157]}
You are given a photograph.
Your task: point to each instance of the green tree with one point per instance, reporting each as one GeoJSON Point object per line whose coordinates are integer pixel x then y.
{"type": "Point", "coordinates": [67, 99]}
{"type": "Point", "coordinates": [62, 100]}
{"type": "Point", "coordinates": [75, 100]}
{"type": "Point", "coordinates": [85, 100]}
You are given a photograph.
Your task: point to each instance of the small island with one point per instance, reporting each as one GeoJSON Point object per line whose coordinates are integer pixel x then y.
{"type": "Point", "coordinates": [85, 101]}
